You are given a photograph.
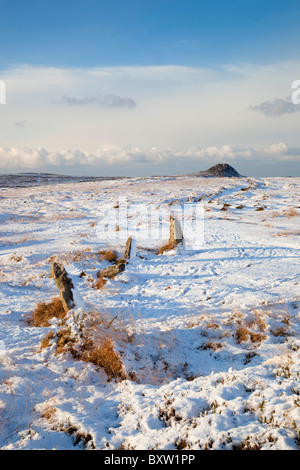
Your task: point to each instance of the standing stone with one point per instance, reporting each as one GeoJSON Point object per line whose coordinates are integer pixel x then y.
{"type": "Point", "coordinates": [64, 284]}
{"type": "Point", "coordinates": [119, 266]}
{"type": "Point", "coordinates": [130, 248]}
{"type": "Point", "coordinates": [176, 235]}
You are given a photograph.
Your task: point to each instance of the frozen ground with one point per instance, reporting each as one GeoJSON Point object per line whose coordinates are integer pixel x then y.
{"type": "Point", "coordinates": [213, 356]}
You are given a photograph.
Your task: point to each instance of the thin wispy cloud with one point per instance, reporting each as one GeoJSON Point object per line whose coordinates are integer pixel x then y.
{"type": "Point", "coordinates": [277, 107]}
{"type": "Point", "coordinates": [110, 101]}
{"type": "Point", "coordinates": [20, 123]}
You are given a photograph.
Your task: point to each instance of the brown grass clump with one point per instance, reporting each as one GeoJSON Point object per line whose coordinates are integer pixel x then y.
{"type": "Point", "coordinates": [211, 345]}
{"type": "Point", "coordinates": [213, 325]}
{"type": "Point", "coordinates": [257, 321]}
{"type": "Point", "coordinates": [280, 331]}
{"type": "Point", "coordinates": [16, 258]}
{"type": "Point", "coordinates": [181, 444]}
{"type": "Point", "coordinates": [45, 343]}
{"type": "Point", "coordinates": [167, 247]}
{"type": "Point", "coordinates": [100, 283]}
{"type": "Point", "coordinates": [244, 334]}
{"type": "Point", "coordinates": [45, 311]}
{"type": "Point", "coordinates": [108, 255]}
{"type": "Point", "coordinates": [65, 342]}
{"type": "Point", "coordinates": [95, 343]}
{"type": "Point", "coordinates": [104, 356]}
{"type": "Point", "coordinates": [290, 213]}
{"type": "Point", "coordinates": [48, 413]}
{"type": "Point", "coordinates": [256, 337]}
{"type": "Point", "coordinates": [286, 213]}
{"type": "Point", "coordinates": [288, 233]}
{"type": "Point", "coordinates": [246, 445]}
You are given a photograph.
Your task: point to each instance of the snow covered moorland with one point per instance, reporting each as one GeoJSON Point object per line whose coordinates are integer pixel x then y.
{"type": "Point", "coordinates": [192, 348]}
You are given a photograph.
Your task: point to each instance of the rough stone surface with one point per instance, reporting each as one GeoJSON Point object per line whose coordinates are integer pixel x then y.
{"type": "Point", "coordinates": [64, 284]}
{"type": "Point", "coordinates": [176, 235]}
{"type": "Point", "coordinates": [112, 271]}
{"type": "Point", "coordinates": [220, 170]}
{"type": "Point", "coordinates": [119, 266]}
{"type": "Point", "coordinates": [128, 246]}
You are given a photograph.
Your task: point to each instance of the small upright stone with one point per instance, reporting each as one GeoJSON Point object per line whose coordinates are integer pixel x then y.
{"type": "Point", "coordinates": [128, 248]}
{"type": "Point", "coordinates": [176, 235]}
{"type": "Point", "coordinates": [64, 284]}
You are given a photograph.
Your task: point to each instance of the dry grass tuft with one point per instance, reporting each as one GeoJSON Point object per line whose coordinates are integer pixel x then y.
{"type": "Point", "coordinates": [250, 329]}
{"type": "Point", "coordinates": [244, 334]}
{"type": "Point", "coordinates": [100, 283]}
{"type": "Point", "coordinates": [45, 311]}
{"type": "Point", "coordinates": [257, 321]}
{"type": "Point", "coordinates": [48, 413]}
{"type": "Point", "coordinates": [286, 213]}
{"type": "Point", "coordinates": [211, 345]}
{"type": "Point", "coordinates": [290, 213]}
{"type": "Point", "coordinates": [108, 255]}
{"type": "Point", "coordinates": [167, 247]}
{"type": "Point", "coordinates": [280, 331]}
{"type": "Point", "coordinates": [105, 357]}
{"type": "Point", "coordinates": [46, 342]}
{"type": "Point", "coordinates": [94, 343]}
{"type": "Point", "coordinates": [66, 342]}
{"type": "Point", "coordinates": [16, 258]}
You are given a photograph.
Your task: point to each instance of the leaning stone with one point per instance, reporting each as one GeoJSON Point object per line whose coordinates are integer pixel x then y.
{"type": "Point", "coordinates": [64, 284]}
{"type": "Point", "coordinates": [128, 247]}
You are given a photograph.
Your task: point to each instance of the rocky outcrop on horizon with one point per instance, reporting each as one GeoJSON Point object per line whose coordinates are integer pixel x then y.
{"type": "Point", "coordinates": [220, 170]}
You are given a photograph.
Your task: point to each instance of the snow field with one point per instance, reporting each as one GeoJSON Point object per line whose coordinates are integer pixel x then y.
{"type": "Point", "coordinates": [208, 338]}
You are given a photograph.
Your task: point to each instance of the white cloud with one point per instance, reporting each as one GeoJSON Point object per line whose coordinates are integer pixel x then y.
{"type": "Point", "coordinates": [40, 158]}
{"type": "Point", "coordinates": [183, 114]}
{"type": "Point", "coordinates": [277, 149]}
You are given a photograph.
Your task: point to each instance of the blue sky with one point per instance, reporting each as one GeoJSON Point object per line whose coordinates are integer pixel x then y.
{"type": "Point", "coordinates": [155, 32]}
{"type": "Point", "coordinates": [129, 86]}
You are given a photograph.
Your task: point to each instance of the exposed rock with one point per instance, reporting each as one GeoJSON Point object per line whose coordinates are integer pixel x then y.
{"type": "Point", "coordinates": [176, 235]}
{"type": "Point", "coordinates": [112, 271]}
{"type": "Point", "coordinates": [128, 247]}
{"type": "Point", "coordinates": [119, 265]}
{"type": "Point", "coordinates": [220, 170]}
{"type": "Point", "coordinates": [64, 284]}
